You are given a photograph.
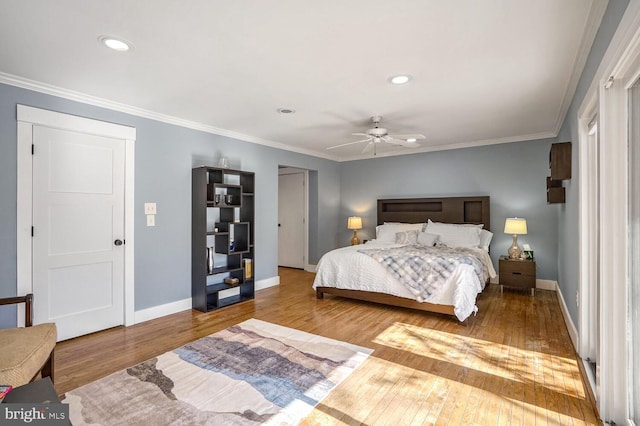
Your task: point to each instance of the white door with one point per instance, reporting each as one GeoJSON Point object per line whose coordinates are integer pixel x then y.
{"type": "Point", "coordinates": [291, 224]}
{"type": "Point", "coordinates": [78, 224]}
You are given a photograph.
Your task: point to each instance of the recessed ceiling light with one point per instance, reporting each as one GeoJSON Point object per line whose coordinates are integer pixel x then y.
{"type": "Point", "coordinates": [115, 43]}
{"type": "Point", "coordinates": [400, 79]}
{"type": "Point", "coordinates": [286, 110]}
{"type": "Point", "coordinates": [412, 140]}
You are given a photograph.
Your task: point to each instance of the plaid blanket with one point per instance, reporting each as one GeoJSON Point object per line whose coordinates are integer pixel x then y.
{"type": "Point", "coordinates": [424, 269]}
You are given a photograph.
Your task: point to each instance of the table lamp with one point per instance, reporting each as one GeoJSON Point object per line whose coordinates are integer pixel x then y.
{"type": "Point", "coordinates": [515, 226]}
{"type": "Point", "coordinates": [355, 223]}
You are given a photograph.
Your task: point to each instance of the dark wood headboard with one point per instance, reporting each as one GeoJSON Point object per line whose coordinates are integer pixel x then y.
{"type": "Point", "coordinates": [448, 209]}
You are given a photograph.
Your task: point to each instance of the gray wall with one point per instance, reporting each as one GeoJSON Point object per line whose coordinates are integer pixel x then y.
{"type": "Point", "coordinates": [513, 175]}
{"type": "Point", "coordinates": [164, 157]}
{"type": "Point", "coordinates": [568, 219]}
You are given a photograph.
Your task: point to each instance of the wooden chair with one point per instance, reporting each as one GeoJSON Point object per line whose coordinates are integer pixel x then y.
{"type": "Point", "coordinates": [27, 352]}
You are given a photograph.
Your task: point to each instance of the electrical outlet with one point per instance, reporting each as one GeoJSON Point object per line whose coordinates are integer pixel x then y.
{"type": "Point", "coordinates": [150, 208]}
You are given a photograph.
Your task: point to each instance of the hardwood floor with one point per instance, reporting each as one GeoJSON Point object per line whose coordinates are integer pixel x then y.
{"type": "Point", "coordinates": [513, 363]}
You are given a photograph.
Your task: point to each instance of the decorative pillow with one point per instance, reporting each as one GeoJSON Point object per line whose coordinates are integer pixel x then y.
{"type": "Point", "coordinates": [485, 239]}
{"type": "Point", "coordinates": [387, 233]}
{"type": "Point", "coordinates": [407, 237]}
{"type": "Point", "coordinates": [426, 239]}
{"type": "Point", "coordinates": [454, 235]}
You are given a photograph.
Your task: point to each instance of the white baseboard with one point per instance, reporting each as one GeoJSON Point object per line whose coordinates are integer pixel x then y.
{"type": "Point", "coordinates": [547, 285]}
{"type": "Point", "coordinates": [184, 304]}
{"type": "Point", "coordinates": [311, 268]}
{"type": "Point", "coordinates": [268, 282]}
{"type": "Point", "coordinates": [161, 310]}
{"type": "Point", "coordinates": [573, 331]}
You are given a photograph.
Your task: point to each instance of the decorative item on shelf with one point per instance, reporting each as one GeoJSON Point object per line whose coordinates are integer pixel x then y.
{"type": "Point", "coordinates": [232, 244]}
{"type": "Point", "coordinates": [355, 223]}
{"type": "Point", "coordinates": [231, 281]}
{"type": "Point", "coordinates": [248, 269]}
{"type": "Point", "coordinates": [228, 199]}
{"type": "Point", "coordinates": [216, 199]}
{"type": "Point", "coordinates": [223, 163]}
{"type": "Point", "coordinates": [515, 226]}
{"type": "Point", "coordinates": [210, 252]}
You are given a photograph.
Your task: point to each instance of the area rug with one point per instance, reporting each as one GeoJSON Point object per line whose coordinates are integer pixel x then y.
{"type": "Point", "coordinates": [251, 373]}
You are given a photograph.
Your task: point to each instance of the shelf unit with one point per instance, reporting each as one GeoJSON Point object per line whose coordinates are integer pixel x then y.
{"type": "Point", "coordinates": [560, 165]}
{"type": "Point", "coordinates": [222, 218]}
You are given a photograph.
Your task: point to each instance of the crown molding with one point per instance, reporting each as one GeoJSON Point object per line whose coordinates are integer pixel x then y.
{"type": "Point", "coordinates": [592, 24]}
{"type": "Point", "coordinates": [48, 89]}
{"type": "Point", "coordinates": [144, 113]}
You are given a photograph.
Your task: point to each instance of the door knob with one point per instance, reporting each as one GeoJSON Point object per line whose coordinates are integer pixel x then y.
{"type": "Point", "coordinates": [118, 242]}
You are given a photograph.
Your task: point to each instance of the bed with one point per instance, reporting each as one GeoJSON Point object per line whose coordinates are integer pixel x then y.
{"type": "Point", "coordinates": [356, 272]}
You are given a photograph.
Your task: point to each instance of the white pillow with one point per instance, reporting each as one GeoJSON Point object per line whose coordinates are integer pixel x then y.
{"type": "Point", "coordinates": [485, 239]}
{"type": "Point", "coordinates": [426, 239]}
{"type": "Point", "coordinates": [407, 237]}
{"type": "Point", "coordinates": [474, 225]}
{"type": "Point", "coordinates": [454, 235]}
{"type": "Point", "coordinates": [387, 233]}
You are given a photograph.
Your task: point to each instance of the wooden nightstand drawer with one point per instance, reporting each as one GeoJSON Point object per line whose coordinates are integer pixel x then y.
{"type": "Point", "coordinates": [515, 279]}
{"type": "Point", "coordinates": [518, 274]}
{"type": "Point", "coordinates": [518, 267]}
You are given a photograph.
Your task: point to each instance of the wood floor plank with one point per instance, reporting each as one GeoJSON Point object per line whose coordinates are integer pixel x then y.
{"type": "Point", "coordinates": [512, 363]}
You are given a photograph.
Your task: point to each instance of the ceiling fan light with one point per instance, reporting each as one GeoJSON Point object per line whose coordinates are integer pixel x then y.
{"type": "Point", "coordinates": [400, 79]}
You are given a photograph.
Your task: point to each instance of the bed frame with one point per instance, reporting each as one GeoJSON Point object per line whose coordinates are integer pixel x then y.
{"type": "Point", "coordinates": [461, 210]}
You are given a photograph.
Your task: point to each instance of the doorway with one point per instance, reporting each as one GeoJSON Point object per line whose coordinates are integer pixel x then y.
{"type": "Point", "coordinates": [75, 220]}
{"type": "Point", "coordinates": [292, 217]}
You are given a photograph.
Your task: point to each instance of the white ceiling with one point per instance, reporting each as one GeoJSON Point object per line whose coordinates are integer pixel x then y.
{"type": "Point", "coordinates": [484, 72]}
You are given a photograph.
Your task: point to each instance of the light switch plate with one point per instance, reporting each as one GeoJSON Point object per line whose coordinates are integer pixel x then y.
{"type": "Point", "coordinates": [151, 220]}
{"type": "Point", "coordinates": [150, 208]}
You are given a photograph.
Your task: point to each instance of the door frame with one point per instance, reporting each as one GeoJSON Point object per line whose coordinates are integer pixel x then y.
{"type": "Point", "coordinates": [589, 245]}
{"type": "Point", "coordinates": [608, 93]}
{"type": "Point", "coordinates": [27, 117]}
{"type": "Point", "coordinates": [305, 244]}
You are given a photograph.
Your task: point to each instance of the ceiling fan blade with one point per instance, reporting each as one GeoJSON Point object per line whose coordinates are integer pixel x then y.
{"type": "Point", "coordinates": [368, 148]}
{"type": "Point", "coordinates": [402, 142]}
{"type": "Point", "coordinates": [405, 137]}
{"type": "Point", "coordinates": [359, 134]}
{"type": "Point", "coordinates": [349, 143]}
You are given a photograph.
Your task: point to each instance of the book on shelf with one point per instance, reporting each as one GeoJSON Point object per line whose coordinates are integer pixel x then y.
{"type": "Point", "coordinates": [248, 269]}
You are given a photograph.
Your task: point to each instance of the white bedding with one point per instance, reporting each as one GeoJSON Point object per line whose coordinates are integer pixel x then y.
{"type": "Point", "coordinates": [347, 269]}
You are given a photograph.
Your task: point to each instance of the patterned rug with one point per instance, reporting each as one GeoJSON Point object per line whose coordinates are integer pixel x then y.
{"type": "Point", "coordinates": [251, 373]}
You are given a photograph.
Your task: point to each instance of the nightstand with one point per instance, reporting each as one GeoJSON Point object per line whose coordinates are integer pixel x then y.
{"type": "Point", "coordinates": [518, 274]}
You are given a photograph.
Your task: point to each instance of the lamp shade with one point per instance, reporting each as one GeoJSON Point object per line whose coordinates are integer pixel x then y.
{"type": "Point", "coordinates": [515, 226]}
{"type": "Point", "coordinates": [354, 222]}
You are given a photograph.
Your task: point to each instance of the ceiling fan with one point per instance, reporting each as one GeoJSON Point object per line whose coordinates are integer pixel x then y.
{"type": "Point", "coordinates": [377, 135]}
